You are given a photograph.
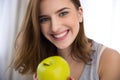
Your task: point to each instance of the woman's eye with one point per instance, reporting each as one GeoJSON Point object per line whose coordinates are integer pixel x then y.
{"type": "Point", "coordinates": [42, 20]}
{"type": "Point", "coordinates": [63, 14]}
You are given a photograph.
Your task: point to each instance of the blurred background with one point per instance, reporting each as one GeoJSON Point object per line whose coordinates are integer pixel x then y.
{"type": "Point", "coordinates": [101, 20]}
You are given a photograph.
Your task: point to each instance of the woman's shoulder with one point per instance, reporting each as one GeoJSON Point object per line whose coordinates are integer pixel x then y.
{"type": "Point", "coordinates": [109, 66]}
{"type": "Point", "coordinates": [109, 55]}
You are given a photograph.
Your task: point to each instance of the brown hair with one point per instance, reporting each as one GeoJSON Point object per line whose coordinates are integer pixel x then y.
{"type": "Point", "coordinates": [32, 47]}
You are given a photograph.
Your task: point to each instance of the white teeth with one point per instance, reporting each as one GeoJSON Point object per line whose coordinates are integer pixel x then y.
{"type": "Point", "coordinates": [60, 35]}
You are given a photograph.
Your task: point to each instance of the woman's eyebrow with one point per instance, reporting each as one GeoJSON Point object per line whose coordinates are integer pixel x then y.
{"type": "Point", "coordinates": [41, 16]}
{"type": "Point", "coordinates": [62, 9]}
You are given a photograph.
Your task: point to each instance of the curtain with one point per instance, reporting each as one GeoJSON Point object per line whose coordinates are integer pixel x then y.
{"type": "Point", "coordinates": [10, 18]}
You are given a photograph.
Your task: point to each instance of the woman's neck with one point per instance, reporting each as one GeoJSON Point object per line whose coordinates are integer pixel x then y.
{"type": "Point", "coordinates": [65, 53]}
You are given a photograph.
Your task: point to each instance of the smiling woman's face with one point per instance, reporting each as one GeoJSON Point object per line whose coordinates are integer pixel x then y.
{"type": "Point", "coordinates": [59, 21]}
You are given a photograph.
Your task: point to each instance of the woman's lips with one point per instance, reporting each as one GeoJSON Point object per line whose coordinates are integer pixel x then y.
{"type": "Point", "coordinates": [61, 35]}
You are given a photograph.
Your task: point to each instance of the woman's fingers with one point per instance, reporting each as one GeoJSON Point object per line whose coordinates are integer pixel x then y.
{"type": "Point", "coordinates": [70, 78]}
{"type": "Point", "coordinates": [35, 77]}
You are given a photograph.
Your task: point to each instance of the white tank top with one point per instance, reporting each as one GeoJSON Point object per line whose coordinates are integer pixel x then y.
{"type": "Point", "coordinates": [90, 71]}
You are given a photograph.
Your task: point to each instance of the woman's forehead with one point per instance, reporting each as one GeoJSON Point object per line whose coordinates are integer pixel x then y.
{"type": "Point", "coordinates": [55, 3]}
{"type": "Point", "coordinates": [49, 5]}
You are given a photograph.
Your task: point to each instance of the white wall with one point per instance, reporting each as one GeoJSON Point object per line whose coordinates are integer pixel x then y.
{"type": "Point", "coordinates": [102, 21]}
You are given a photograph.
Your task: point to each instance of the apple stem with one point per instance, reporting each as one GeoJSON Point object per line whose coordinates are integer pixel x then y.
{"type": "Point", "coordinates": [45, 64]}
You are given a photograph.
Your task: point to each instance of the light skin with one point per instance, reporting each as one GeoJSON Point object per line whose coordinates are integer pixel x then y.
{"type": "Point", "coordinates": [109, 66]}
{"type": "Point", "coordinates": [59, 23]}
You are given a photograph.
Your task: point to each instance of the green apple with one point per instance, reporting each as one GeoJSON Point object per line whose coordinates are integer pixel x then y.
{"type": "Point", "coordinates": [53, 68]}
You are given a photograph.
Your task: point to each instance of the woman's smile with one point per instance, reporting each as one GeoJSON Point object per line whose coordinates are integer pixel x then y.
{"type": "Point", "coordinates": [61, 35]}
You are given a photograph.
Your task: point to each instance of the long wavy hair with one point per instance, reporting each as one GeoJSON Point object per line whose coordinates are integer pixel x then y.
{"type": "Point", "coordinates": [32, 47]}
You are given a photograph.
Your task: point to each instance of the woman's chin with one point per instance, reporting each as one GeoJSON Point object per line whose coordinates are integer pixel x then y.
{"type": "Point", "coordinates": [62, 47]}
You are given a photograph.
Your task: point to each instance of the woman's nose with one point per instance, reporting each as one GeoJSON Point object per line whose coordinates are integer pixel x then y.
{"type": "Point", "coordinates": [55, 24]}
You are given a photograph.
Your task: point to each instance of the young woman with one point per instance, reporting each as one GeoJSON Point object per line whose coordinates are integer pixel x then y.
{"type": "Point", "coordinates": [55, 27]}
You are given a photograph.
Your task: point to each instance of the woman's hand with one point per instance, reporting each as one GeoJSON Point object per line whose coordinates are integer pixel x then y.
{"type": "Point", "coordinates": [35, 77]}
{"type": "Point", "coordinates": [70, 78]}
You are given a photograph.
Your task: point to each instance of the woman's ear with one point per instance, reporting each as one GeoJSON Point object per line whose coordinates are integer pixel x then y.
{"type": "Point", "coordinates": [80, 14]}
